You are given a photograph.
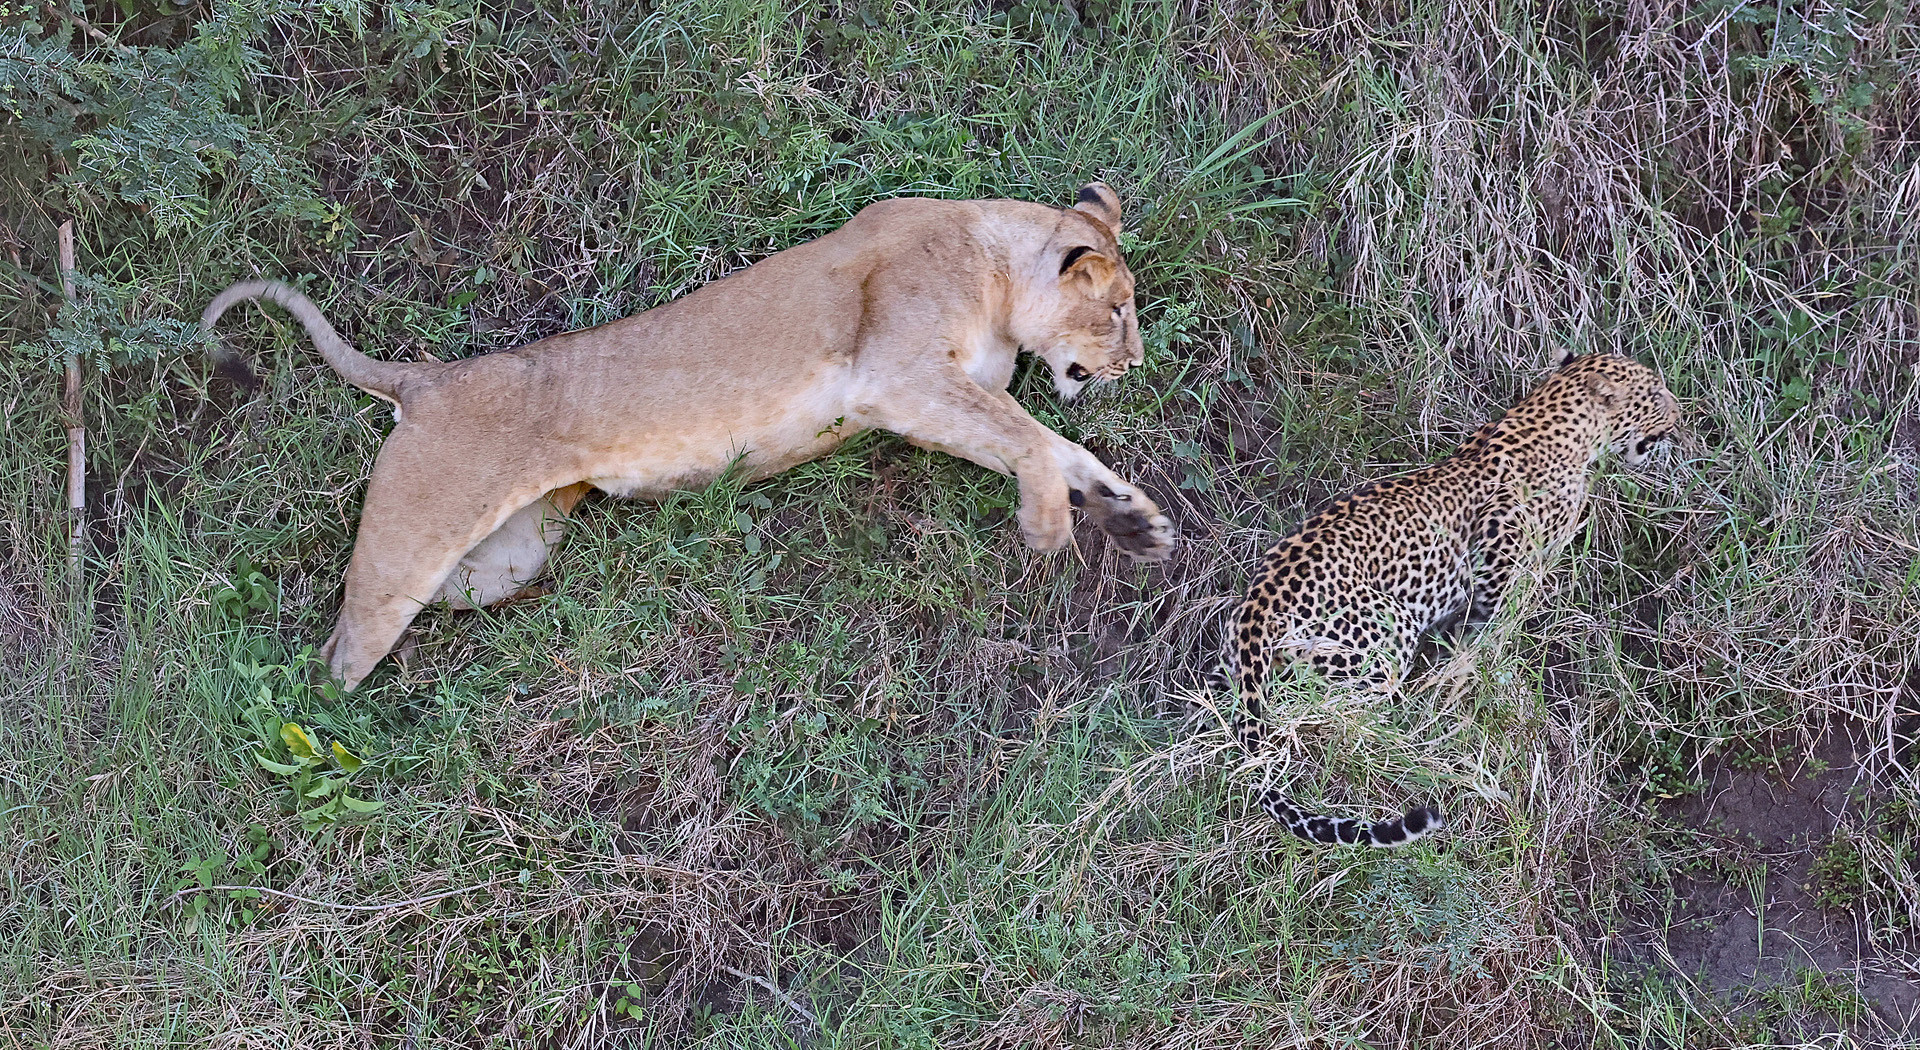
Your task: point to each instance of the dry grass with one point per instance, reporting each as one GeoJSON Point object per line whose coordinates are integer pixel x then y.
{"type": "Point", "coordinates": [911, 785]}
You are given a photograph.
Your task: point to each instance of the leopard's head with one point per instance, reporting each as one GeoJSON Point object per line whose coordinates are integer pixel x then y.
{"type": "Point", "coordinates": [1640, 411]}
{"type": "Point", "coordinates": [1076, 310]}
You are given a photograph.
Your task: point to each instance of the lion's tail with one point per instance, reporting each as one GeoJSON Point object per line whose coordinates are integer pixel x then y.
{"type": "Point", "coordinates": [380, 378]}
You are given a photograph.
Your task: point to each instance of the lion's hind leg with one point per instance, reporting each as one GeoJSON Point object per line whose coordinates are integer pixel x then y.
{"type": "Point", "coordinates": [427, 506]}
{"type": "Point", "coordinates": [501, 567]}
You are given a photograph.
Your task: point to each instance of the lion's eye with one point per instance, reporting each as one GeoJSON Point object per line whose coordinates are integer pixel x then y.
{"type": "Point", "coordinates": [1118, 310]}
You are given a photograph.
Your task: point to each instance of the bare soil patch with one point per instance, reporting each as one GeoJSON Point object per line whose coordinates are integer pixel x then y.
{"type": "Point", "coordinates": [1757, 933]}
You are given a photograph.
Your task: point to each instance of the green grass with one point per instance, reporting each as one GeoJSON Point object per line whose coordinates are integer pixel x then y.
{"type": "Point", "coordinates": [832, 760]}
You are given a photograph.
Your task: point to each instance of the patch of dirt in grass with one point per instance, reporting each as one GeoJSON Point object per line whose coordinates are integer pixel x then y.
{"type": "Point", "coordinates": [1751, 927]}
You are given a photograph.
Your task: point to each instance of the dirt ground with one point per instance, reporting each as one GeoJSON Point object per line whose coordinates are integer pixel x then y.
{"type": "Point", "coordinates": [1748, 935]}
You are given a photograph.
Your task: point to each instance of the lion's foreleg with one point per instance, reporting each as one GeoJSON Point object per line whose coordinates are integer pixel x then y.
{"type": "Point", "coordinates": [1121, 510]}
{"type": "Point", "coordinates": [956, 416]}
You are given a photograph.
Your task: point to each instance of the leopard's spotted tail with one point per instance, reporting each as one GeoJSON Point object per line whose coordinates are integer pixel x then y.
{"type": "Point", "coordinates": [1346, 831]}
{"type": "Point", "coordinates": [1418, 823]}
{"type": "Point", "coordinates": [1336, 831]}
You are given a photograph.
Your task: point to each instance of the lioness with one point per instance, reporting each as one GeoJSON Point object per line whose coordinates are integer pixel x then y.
{"type": "Point", "coordinates": [908, 318]}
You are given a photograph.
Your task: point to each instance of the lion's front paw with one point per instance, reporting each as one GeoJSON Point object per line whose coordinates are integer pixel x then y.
{"type": "Point", "coordinates": [1134, 523]}
{"type": "Point", "coordinates": [1147, 537]}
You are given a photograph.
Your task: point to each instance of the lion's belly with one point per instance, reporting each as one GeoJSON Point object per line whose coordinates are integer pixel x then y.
{"type": "Point", "coordinates": [657, 461]}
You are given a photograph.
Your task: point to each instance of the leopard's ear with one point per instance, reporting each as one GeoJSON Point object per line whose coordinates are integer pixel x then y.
{"type": "Point", "coordinates": [1565, 357]}
{"type": "Point", "coordinates": [1098, 200]}
{"type": "Point", "coordinates": [1604, 390]}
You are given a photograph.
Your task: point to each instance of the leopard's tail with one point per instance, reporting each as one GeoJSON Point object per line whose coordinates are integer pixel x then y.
{"type": "Point", "coordinates": [380, 378]}
{"type": "Point", "coordinates": [1347, 831]}
{"type": "Point", "coordinates": [1418, 823]}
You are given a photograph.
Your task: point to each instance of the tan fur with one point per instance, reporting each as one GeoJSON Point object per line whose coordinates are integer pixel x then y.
{"type": "Point", "coordinates": [908, 319]}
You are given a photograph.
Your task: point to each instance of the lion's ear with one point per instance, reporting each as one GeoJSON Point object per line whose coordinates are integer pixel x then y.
{"type": "Point", "coordinates": [1088, 263]}
{"type": "Point", "coordinates": [1098, 200]}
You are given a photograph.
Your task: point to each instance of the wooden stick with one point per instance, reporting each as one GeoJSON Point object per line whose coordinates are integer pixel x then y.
{"type": "Point", "coordinates": [76, 424]}
{"type": "Point", "coordinates": [85, 26]}
{"type": "Point", "coordinates": [791, 1003]}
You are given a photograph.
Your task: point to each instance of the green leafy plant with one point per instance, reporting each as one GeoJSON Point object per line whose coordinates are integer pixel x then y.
{"type": "Point", "coordinates": [1793, 350]}
{"type": "Point", "coordinates": [318, 778]}
{"type": "Point", "coordinates": [250, 593]}
{"type": "Point", "coordinates": [102, 326]}
{"type": "Point", "coordinates": [317, 772]}
{"type": "Point", "coordinates": [249, 863]}
{"type": "Point", "coordinates": [1837, 878]}
{"type": "Point", "coordinates": [150, 127]}
{"type": "Point", "coordinates": [1814, 992]}
{"type": "Point", "coordinates": [628, 1006]}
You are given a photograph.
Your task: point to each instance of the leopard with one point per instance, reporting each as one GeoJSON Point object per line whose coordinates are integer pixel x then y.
{"type": "Point", "coordinates": [1351, 593]}
{"type": "Point", "coordinates": [907, 318]}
